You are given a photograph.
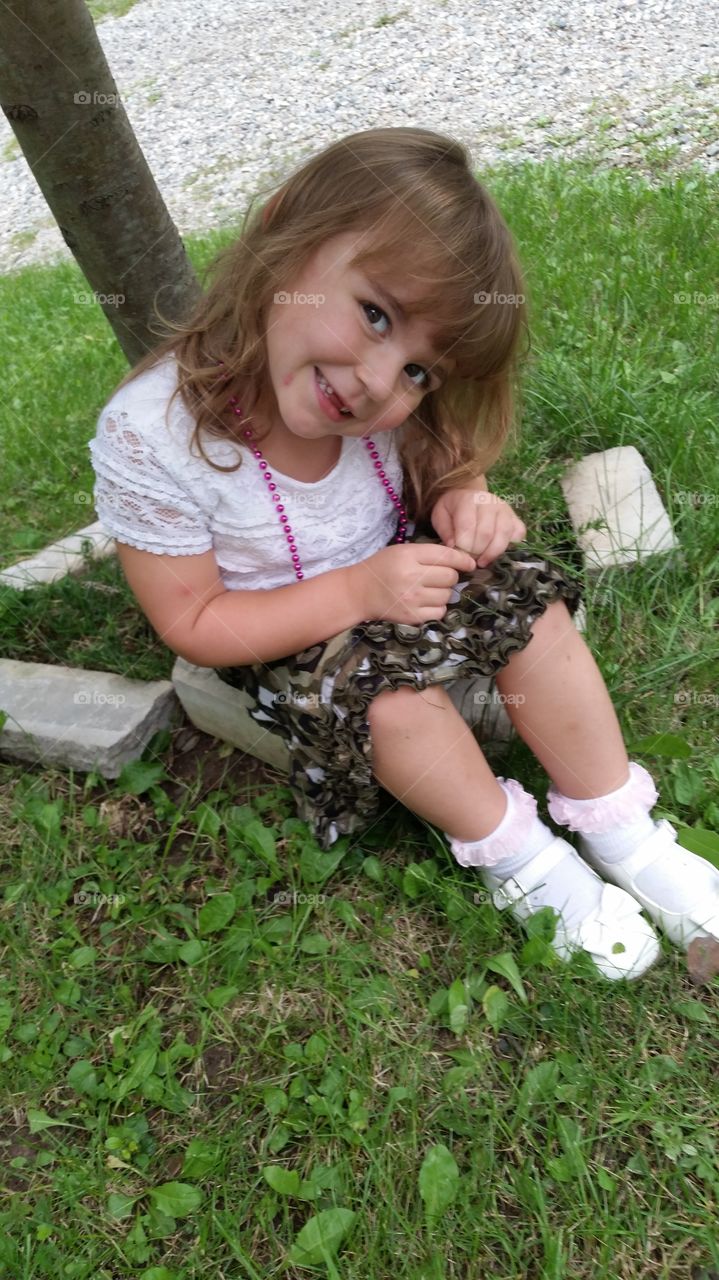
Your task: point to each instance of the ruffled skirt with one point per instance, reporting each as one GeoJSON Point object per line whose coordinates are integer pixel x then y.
{"type": "Point", "coordinates": [317, 701]}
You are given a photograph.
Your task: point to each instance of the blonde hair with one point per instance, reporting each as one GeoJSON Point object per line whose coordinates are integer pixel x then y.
{"type": "Point", "coordinates": [426, 218]}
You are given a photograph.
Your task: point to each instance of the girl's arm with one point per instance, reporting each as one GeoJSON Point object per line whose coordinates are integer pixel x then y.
{"type": "Point", "coordinates": [184, 599]}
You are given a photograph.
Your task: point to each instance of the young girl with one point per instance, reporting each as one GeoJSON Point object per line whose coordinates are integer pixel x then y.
{"type": "Point", "coordinates": [273, 476]}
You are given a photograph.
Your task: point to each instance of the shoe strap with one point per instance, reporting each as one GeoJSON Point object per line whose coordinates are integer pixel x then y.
{"type": "Point", "coordinates": [532, 873]}
{"type": "Point", "coordinates": [647, 852]}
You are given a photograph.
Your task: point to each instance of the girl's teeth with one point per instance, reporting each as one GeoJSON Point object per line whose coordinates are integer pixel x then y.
{"type": "Point", "coordinates": [330, 391]}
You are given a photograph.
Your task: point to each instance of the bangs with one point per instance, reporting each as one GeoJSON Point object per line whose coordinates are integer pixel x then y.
{"type": "Point", "coordinates": [470, 295]}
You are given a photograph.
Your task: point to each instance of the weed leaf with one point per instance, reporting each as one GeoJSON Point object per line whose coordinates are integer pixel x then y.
{"type": "Point", "coordinates": [438, 1181]}
{"type": "Point", "coordinates": [216, 913]}
{"type": "Point", "coordinates": [321, 1237]}
{"type": "Point", "coordinates": [176, 1199]}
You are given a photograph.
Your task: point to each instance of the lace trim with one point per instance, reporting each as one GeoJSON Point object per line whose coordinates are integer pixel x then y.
{"type": "Point", "coordinates": [495, 847]}
{"type": "Point", "coordinates": [131, 539]}
{"type": "Point", "coordinates": [633, 800]}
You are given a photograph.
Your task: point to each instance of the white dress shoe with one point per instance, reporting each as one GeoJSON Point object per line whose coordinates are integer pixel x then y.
{"type": "Point", "coordinates": [620, 941]}
{"type": "Point", "coordinates": [681, 927]}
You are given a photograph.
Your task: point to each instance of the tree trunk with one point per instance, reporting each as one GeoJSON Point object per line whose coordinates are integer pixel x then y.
{"type": "Point", "coordinates": [58, 93]}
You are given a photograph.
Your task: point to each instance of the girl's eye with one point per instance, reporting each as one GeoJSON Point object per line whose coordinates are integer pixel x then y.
{"type": "Point", "coordinates": [423, 386]}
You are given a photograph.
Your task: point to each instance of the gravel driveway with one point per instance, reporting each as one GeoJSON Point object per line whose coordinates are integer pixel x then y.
{"type": "Point", "coordinates": [224, 97]}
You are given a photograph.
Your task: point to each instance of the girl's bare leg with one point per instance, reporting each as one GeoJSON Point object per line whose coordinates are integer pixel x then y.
{"type": "Point", "coordinates": [426, 755]}
{"type": "Point", "coordinates": [559, 705]}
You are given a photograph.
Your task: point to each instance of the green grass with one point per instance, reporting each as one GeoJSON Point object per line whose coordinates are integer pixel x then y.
{"type": "Point", "coordinates": [55, 387]}
{"type": "Point", "coordinates": [202, 998]}
{"type": "Point", "coordinates": [191, 993]}
{"type": "Point", "coordinates": [101, 9]}
{"type": "Point", "coordinates": [86, 620]}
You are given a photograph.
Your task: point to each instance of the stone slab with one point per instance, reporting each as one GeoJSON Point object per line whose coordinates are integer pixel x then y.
{"type": "Point", "coordinates": [78, 719]}
{"type": "Point", "coordinates": [59, 559]}
{"type": "Point", "coordinates": [616, 487]}
{"type": "Point", "coordinates": [218, 709]}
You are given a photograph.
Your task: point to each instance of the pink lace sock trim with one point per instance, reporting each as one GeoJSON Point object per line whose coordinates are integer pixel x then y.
{"type": "Point", "coordinates": [508, 838]}
{"type": "Point", "coordinates": [628, 803]}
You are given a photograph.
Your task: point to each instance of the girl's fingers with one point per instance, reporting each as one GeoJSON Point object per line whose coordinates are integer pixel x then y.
{"type": "Point", "coordinates": [490, 553]}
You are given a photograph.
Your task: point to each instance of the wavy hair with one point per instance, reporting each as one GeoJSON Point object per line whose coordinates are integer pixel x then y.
{"type": "Point", "coordinates": [421, 215]}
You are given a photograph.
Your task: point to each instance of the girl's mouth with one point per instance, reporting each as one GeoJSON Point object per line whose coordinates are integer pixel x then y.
{"type": "Point", "coordinates": [329, 400]}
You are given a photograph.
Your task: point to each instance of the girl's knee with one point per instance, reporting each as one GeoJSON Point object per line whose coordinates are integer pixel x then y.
{"type": "Point", "coordinates": [385, 699]}
{"type": "Point", "coordinates": [391, 703]}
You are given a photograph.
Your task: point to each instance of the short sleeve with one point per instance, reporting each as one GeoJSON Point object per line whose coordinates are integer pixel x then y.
{"type": "Point", "coordinates": [137, 499]}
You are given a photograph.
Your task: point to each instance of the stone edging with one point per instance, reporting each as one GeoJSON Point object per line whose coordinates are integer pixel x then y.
{"type": "Point", "coordinates": [59, 559]}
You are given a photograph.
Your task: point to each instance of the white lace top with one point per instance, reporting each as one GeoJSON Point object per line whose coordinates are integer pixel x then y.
{"type": "Point", "coordinates": [152, 493]}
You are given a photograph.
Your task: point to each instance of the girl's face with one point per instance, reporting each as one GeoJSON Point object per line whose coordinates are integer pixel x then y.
{"type": "Point", "coordinates": [338, 322]}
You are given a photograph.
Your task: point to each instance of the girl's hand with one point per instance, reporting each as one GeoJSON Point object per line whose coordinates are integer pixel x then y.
{"type": "Point", "coordinates": [409, 582]}
{"type": "Point", "coordinates": [478, 522]}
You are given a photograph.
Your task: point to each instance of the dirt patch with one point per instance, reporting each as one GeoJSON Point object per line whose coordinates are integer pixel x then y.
{"type": "Point", "coordinates": [219, 1076]}
{"type": "Point", "coordinates": [123, 814]}
{"type": "Point", "coordinates": [194, 755]}
{"type": "Point", "coordinates": [17, 1142]}
{"type": "Point", "coordinates": [217, 1062]}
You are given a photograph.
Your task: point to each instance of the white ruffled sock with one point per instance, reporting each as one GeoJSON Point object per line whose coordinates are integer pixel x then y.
{"type": "Point", "coordinates": [519, 835]}
{"type": "Point", "coordinates": [571, 888]}
{"type": "Point", "coordinates": [612, 826]}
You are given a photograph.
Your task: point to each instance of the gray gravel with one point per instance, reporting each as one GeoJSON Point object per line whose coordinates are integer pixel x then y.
{"type": "Point", "coordinates": [227, 97]}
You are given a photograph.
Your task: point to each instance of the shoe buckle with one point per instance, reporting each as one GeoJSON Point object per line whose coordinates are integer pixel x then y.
{"type": "Point", "coordinates": [507, 894]}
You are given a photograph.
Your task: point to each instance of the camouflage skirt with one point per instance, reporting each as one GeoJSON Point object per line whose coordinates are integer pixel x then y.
{"type": "Point", "coordinates": [317, 701]}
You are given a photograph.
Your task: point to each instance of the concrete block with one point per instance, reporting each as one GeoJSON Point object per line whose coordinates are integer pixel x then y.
{"type": "Point", "coordinates": [59, 559]}
{"type": "Point", "coordinates": [615, 487]}
{"type": "Point", "coordinates": [86, 720]}
{"type": "Point", "coordinates": [222, 711]}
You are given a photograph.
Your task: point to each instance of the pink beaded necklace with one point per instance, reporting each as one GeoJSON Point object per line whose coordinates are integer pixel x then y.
{"type": "Point", "coordinates": [276, 497]}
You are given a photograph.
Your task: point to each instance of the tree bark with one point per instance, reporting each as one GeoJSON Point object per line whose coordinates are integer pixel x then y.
{"type": "Point", "coordinates": [59, 95]}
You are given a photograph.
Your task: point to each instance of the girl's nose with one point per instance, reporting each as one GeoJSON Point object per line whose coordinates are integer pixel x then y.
{"type": "Point", "coordinates": [381, 376]}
